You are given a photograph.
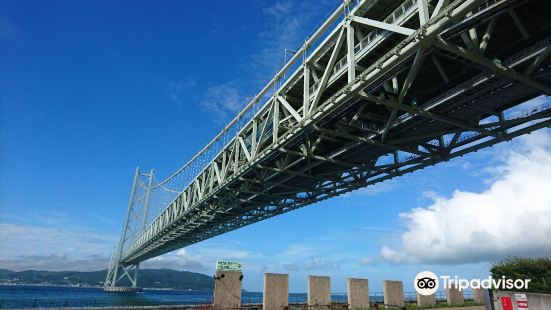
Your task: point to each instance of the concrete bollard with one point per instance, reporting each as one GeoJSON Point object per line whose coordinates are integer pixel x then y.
{"type": "Point", "coordinates": [426, 300]}
{"type": "Point", "coordinates": [393, 293]}
{"type": "Point", "coordinates": [478, 295]}
{"type": "Point", "coordinates": [276, 291]}
{"type": "Point", "coordinates": [358, 293]}
{"type": "Point", "coordinates": [454, 296]}
{"type": "Point", "coordinates": [227, 290]}
{"type": "Point", "coordinates": [319, 291]}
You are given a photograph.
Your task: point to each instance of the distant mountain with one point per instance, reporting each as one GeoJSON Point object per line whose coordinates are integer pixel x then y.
{"type": "Point", "coordinates": [148, 278]}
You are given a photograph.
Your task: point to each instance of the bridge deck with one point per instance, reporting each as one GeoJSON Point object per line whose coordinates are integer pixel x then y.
{"type": "Point", "coordinates": [410, 100]}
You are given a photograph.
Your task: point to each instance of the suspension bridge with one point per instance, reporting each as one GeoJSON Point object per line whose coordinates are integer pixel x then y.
{"type": "Point", "coordinates": [382, 88]}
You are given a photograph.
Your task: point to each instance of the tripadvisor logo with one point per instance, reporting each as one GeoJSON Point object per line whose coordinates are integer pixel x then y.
{"type": "Point", "coordinates": [426, 283]}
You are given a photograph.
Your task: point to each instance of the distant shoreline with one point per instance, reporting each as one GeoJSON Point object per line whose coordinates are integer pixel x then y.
{"type": "Point", "coordinates": [100, 287]}
{"type": "Point", "coordinates": [151, 279]}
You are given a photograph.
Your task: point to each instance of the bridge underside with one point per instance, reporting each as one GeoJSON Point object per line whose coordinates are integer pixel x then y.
{"type": "Point", "coordinates": [411, 102]}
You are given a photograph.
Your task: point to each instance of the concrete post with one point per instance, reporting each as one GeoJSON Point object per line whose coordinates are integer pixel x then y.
{"type": "Point", "coordinates": [454, 296]}
{"type": "Point", "coordinates": [227, 290]}
{"type": "Point", "coordinates": [478, 295]}
{"type": "Point", "coordinates": [358, 293]}
{"type": "Point", "coordinates": [319, 291]}
{"type": "Point", "coordinates": [426, 300]}
{"type": "Point", "coordinates": [393, 293]}
{"type": "Point", "coordinates": [276, 291]}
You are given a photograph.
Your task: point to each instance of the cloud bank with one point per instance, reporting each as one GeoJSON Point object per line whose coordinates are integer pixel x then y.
{"type": "Point", "coordinates": [511, 217]}
{"type": "Point", "coordinates": [47, 248]}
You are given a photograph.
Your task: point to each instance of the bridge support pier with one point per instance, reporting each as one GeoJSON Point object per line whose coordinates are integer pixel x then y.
{"type": "Point", "coordinates": [276, 291]}
{"type": "Point", "coordinates": [227, 289]}
{"type": "Point", "coordinates": [393, 293]}
{"type": "Point", "coordinates": [426, 300]}
{"type": "Point", "coordinates": [319, 291]}
{"type": "Point", "coordinates": [478, 295]}
{"type": "Point", "coordinates": [358, 293]}
{"type": "Point", "coordinates": [454, 296]}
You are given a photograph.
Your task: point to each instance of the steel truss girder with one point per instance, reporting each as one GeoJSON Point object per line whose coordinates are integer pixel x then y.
{"type": "Point", "coordinates": [389, 170]}
{"type": "Point", "coordinates": [491, 66]}
{"type": "Point", "coordinates": [346, 185]}
{"type": "Point", "coordinates": [222, 199]}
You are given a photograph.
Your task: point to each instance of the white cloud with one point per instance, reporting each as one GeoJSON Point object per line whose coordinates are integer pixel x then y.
{"type": "Point", "coordinates": [202, 257]}
{"type": "Point", "coordinates": [366, 261]}
{"type": "Point", "coordinates": [287, 31]}
{"type": "Point", "coordinates": [311, 263]}
{"type": "Point", "coordinates": [26, 246]}
{"type": "Point", "coordinates": [59, 261]}
{"type": "Point", "coordinates": [321, 253]}
{"type": "Point", "coordinates": [180, 260]}
{"type": "Point", "coordinates": [34, 240]}
{"type": "Point", "coordinates": [178, 91]}
{"type": "Point", "coordinates": [288, 24]}
{"type": "Point", "coordinates": [33, 247]}
{"type": "Point", "coordinates": [291, 22]}
{"type": "Point", "coordinates": [512, 217]}
{"type": "Point", "coordinates": [224, 101]}
{"type": "Point", "coordinates": [58, 242]}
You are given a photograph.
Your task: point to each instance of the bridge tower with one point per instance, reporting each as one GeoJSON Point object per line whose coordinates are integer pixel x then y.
{"type": "Point", "coordinates": [134, 225]}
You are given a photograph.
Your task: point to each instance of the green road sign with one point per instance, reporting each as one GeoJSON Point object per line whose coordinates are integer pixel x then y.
{"type": "Point", "coordinates": [228, 266]}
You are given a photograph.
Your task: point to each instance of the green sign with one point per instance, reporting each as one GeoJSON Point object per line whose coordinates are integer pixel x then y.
{"type": "Point", "coordinates": [228, 266]}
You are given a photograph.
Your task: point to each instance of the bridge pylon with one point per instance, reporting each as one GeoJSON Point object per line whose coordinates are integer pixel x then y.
{"type": "Point", "coordinates": [135, 222]}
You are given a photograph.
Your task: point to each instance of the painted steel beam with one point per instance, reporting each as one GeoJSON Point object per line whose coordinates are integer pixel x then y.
{"type": "Point", "coordinates": [291, 156]}
{"type": "Point", "coordinates": [384, 26]}
{"type": "Point", "coordinates": [492, 66]}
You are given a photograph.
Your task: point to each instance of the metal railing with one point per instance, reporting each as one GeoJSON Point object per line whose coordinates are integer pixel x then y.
{"type": "Point", "coordinates": [398, 16]}
{"type": "Point", "coordinates": [251, 298]}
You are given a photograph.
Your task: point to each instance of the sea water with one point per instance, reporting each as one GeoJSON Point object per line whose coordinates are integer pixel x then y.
{"type": "Point", "coordinates": [37, 296]}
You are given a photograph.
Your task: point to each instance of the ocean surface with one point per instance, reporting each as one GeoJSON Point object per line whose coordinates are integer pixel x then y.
{"type": "Point", "coordinates": [37, 296]}
{"type": "Point", "coordinates": [12, 296]}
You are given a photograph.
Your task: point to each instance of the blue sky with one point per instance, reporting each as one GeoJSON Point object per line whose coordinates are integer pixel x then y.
{"type": "Point", "coordinates": [91, 89]}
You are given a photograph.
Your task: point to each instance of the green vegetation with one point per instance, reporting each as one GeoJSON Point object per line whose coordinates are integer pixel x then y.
{"type": "Point", "coordinates": [538, 270]}
{"type": "Point", "coordinates": [416, 307]}
{"type": "Point", "coordinates": [149, 278]}
{"type": "Point", "coordinates": [444, 305]}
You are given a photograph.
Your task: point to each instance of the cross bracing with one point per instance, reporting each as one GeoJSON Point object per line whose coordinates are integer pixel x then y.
{"type": "Point", "coordinates": [391, 88]}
